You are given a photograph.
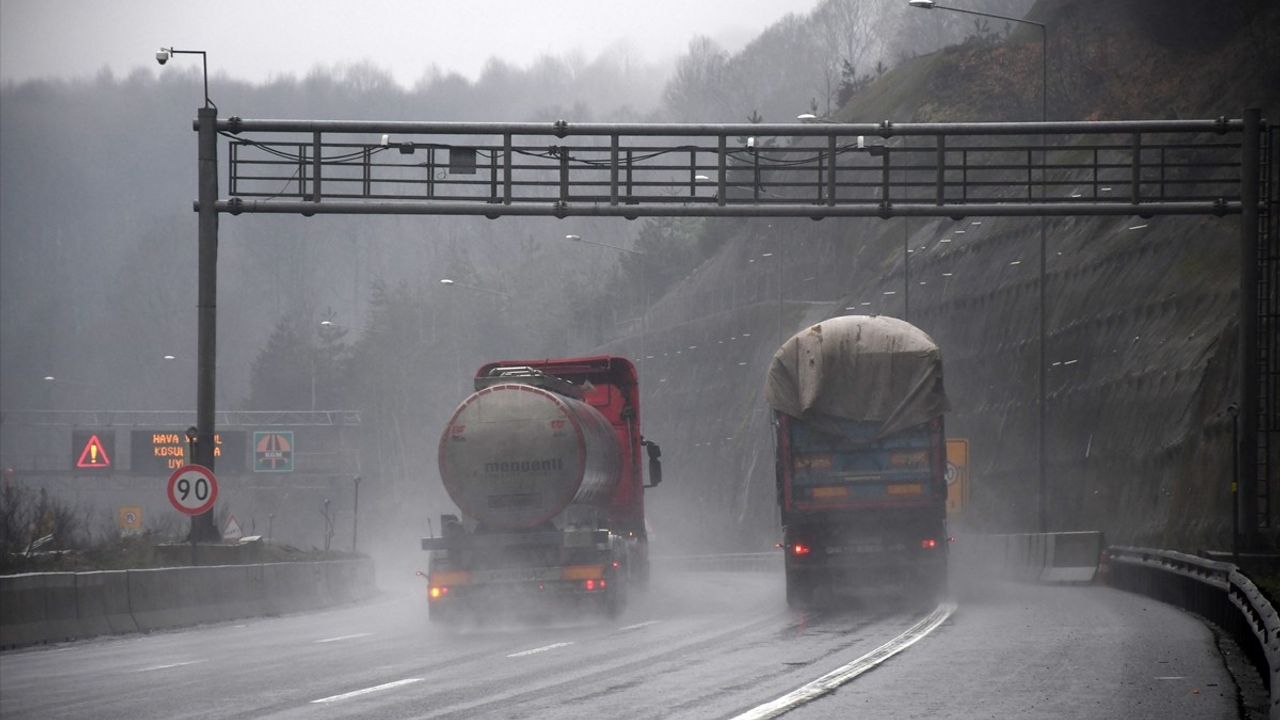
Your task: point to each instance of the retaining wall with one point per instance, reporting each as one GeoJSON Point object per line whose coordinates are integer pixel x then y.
{"type": "Point", "coordinates": [52, 607]}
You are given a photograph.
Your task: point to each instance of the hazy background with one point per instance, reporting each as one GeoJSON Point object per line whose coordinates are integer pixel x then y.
{"type": "Point", "coordinates": [97, 242]}
{"type": "Point", "coordinates": [258, 42]}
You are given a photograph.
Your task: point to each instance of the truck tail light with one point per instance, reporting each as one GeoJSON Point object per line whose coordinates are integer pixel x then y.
{"type": "Point", "coordinates": [593, 585]}
{"type": "Point", "coordinates": [437, 591]}
{"type": "Point", "coordinates": [801, 549]}
{"type": "Point", "coordinates": [928, 544]}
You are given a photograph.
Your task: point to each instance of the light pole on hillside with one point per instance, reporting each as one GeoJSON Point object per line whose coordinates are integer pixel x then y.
{"type": "Point", "coordinates": [644, 285]}
{"type": "Point", "coordinates": [1042, 508]}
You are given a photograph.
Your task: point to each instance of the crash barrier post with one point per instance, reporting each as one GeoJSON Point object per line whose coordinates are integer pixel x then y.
{"type": "Point", "coordinates": [52, 607]}
{"type": "Point", "coordinates": [1215, 590]}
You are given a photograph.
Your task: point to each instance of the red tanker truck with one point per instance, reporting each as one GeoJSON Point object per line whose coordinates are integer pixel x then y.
{"type": "Point", "coordinates": [544, 463]}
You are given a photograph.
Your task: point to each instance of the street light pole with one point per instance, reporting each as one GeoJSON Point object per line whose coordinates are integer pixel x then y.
{"type": "Point", "coordinates": [1042, 507]}
{"type": "Point", "coordinates": [202, 528]}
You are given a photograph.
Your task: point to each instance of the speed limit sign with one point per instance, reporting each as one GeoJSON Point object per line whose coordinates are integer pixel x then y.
{"type": "Point", "coordinates": [193, 489]}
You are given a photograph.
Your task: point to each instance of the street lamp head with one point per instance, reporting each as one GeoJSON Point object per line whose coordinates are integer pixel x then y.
{"type": "Point", "coordinates": [806, 117]}
{"type": "Point", "coordinates": [446, 282]}
{"type": "Point", "coordinates": [170, 357]}
{"type": "Point", "coordinates": [162, 56]}
{"type": "Point", "coordinates": [925, 4]}
{"type": "Point", "coordinates": [574, 238]}
{"type": "Point", "coordinates": [48, 378]}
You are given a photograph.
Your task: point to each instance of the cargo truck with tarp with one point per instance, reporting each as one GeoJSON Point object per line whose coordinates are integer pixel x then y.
{"type": "Point", "coordinates": [544, 461]}
{"type": "Point", "coordinates": [858, 406]}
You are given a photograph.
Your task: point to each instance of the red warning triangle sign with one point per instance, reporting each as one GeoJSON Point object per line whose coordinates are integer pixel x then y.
{"type": "Point", "coordinates": [94, 455]}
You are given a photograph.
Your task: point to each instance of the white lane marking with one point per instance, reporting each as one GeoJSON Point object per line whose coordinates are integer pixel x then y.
{"type": "Point", "coordinates": [834, 679]}
{"type": "Point", "coordinates": [637, 626]}
{"type": "Point", "coordinates": [170, 665]}
{"type": "Point", "coordinates": [535, 651]}
{"type": "Point", "coordinates": [340, 638]}
{"type": "Point", "coordinates": [1172, 677]}
{"type": "Point", "coordinates": [366, 691]}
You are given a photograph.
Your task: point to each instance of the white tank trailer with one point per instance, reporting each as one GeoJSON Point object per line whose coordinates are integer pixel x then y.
{"type": "Point", "coordinates": [514, 457]}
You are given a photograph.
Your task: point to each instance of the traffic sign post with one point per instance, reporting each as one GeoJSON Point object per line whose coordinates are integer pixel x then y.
{"type": "Point", "coordinates": [193, 490]}
{"type": "Point", "coordinates": [129, 517]}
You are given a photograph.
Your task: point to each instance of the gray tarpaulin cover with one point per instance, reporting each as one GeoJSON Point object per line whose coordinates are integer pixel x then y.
{"type": "Point", "coordinates": [859, 367]}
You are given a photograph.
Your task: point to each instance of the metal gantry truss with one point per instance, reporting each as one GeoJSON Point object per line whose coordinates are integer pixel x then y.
{"type": "Point", "coordinates": [744, 170]}
{"type": "Point", "coordinates": [1215, 167]}
{"type": "Point", "coordinates": [227, 420]}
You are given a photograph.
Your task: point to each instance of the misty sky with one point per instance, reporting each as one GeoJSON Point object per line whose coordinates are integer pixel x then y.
{"type": "Point", "coordinates": [253, 40]}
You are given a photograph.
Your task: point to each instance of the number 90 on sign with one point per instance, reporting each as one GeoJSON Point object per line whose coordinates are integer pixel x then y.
{"type": "Point", "coordinates": [193, 489]}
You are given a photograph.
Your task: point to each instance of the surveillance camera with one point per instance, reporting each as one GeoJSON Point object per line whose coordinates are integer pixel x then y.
{"type": "Point", "coordinates": [751, 142]}
{"type": "Point", "coordinates": [386, 140]}
{"type": "Point", "coordinates": [162, 56]}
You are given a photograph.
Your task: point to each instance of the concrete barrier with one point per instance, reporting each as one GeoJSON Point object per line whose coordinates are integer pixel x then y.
{"type": "Point", "coordinates": [62, 622]}
{"type": "Point", "coordinates": [1072, 557]}
{"type": "Point", "coordinates": [50, 607]}
{"type": "Point", "coordinates": [102, 601]}
{"type": "Point", "coordinates": [176, 597]}
{"type": "Point", "coordinates": [294, 587]}
{"type": "Point", "coordinates": [1062, 557]}
{"type": "Point", "coordinates": [22, 597]}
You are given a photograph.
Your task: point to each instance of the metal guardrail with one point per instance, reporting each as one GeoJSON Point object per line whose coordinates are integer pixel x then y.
{"type": "Point", "coordinates": [1215, 590]}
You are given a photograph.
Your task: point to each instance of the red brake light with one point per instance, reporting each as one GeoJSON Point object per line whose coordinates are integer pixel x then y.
{"type": "Point", "coordinates": [801, 549]}
{"type": "Point", "coordinates": [436, 592]}
{"type": "Point", "coordinates": [590, 585]}
{"type": "Point", "coordinates": [928, 544]}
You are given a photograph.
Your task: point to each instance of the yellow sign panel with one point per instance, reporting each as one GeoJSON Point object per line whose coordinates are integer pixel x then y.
{"type": "Point", "coordinates": [957, 475]}
{"type": "Point", "coordinates": [130, 517]}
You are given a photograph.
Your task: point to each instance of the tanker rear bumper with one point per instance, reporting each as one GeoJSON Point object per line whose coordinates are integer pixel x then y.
{"type": "Point", "coordinates": [525, 590]}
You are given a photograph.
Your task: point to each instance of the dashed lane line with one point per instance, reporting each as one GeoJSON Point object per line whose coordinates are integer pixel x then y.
{"type": "Point", "coordinates": [537, 650]}
{"type": "Point", "coordinates": [366, 691]}
{"type": "Point", "coordinates": [170, 665]}
{"type": "Point", "coordinates": [834, 679]}
{"type": "Point", "coordinates": [637, 626]}
{"type": "Point", "coordinates": [340, 638]}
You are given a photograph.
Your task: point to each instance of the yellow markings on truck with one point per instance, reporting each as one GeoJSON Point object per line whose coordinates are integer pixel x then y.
{"type": "Point", "coordinates": [457, 577]}
{"type": "Point", "coordinates": [582, 572]}
{"type": "Point", "coordinates": [830, 492]}
{"type": "Point", "coordinates": [904, 489]}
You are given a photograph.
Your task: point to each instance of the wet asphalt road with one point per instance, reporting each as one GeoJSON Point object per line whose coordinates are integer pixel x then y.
{"type": "Point", "coordinates": [698, 645]}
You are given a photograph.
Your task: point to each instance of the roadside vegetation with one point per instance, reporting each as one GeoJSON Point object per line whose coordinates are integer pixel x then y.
{"type": "Point", "coordinates": [43, 533]}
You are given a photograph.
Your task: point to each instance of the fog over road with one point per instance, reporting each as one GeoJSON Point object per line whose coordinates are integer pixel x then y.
{"type": "Point", "coordinates": [699, 645]}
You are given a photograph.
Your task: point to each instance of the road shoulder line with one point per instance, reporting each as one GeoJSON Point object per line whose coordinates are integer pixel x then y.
{"type": "Point", "coordinates": [841, 675]}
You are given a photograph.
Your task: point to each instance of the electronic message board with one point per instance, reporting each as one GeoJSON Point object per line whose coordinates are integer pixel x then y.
{"type": "Point", "coordinates": [160, 452]}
